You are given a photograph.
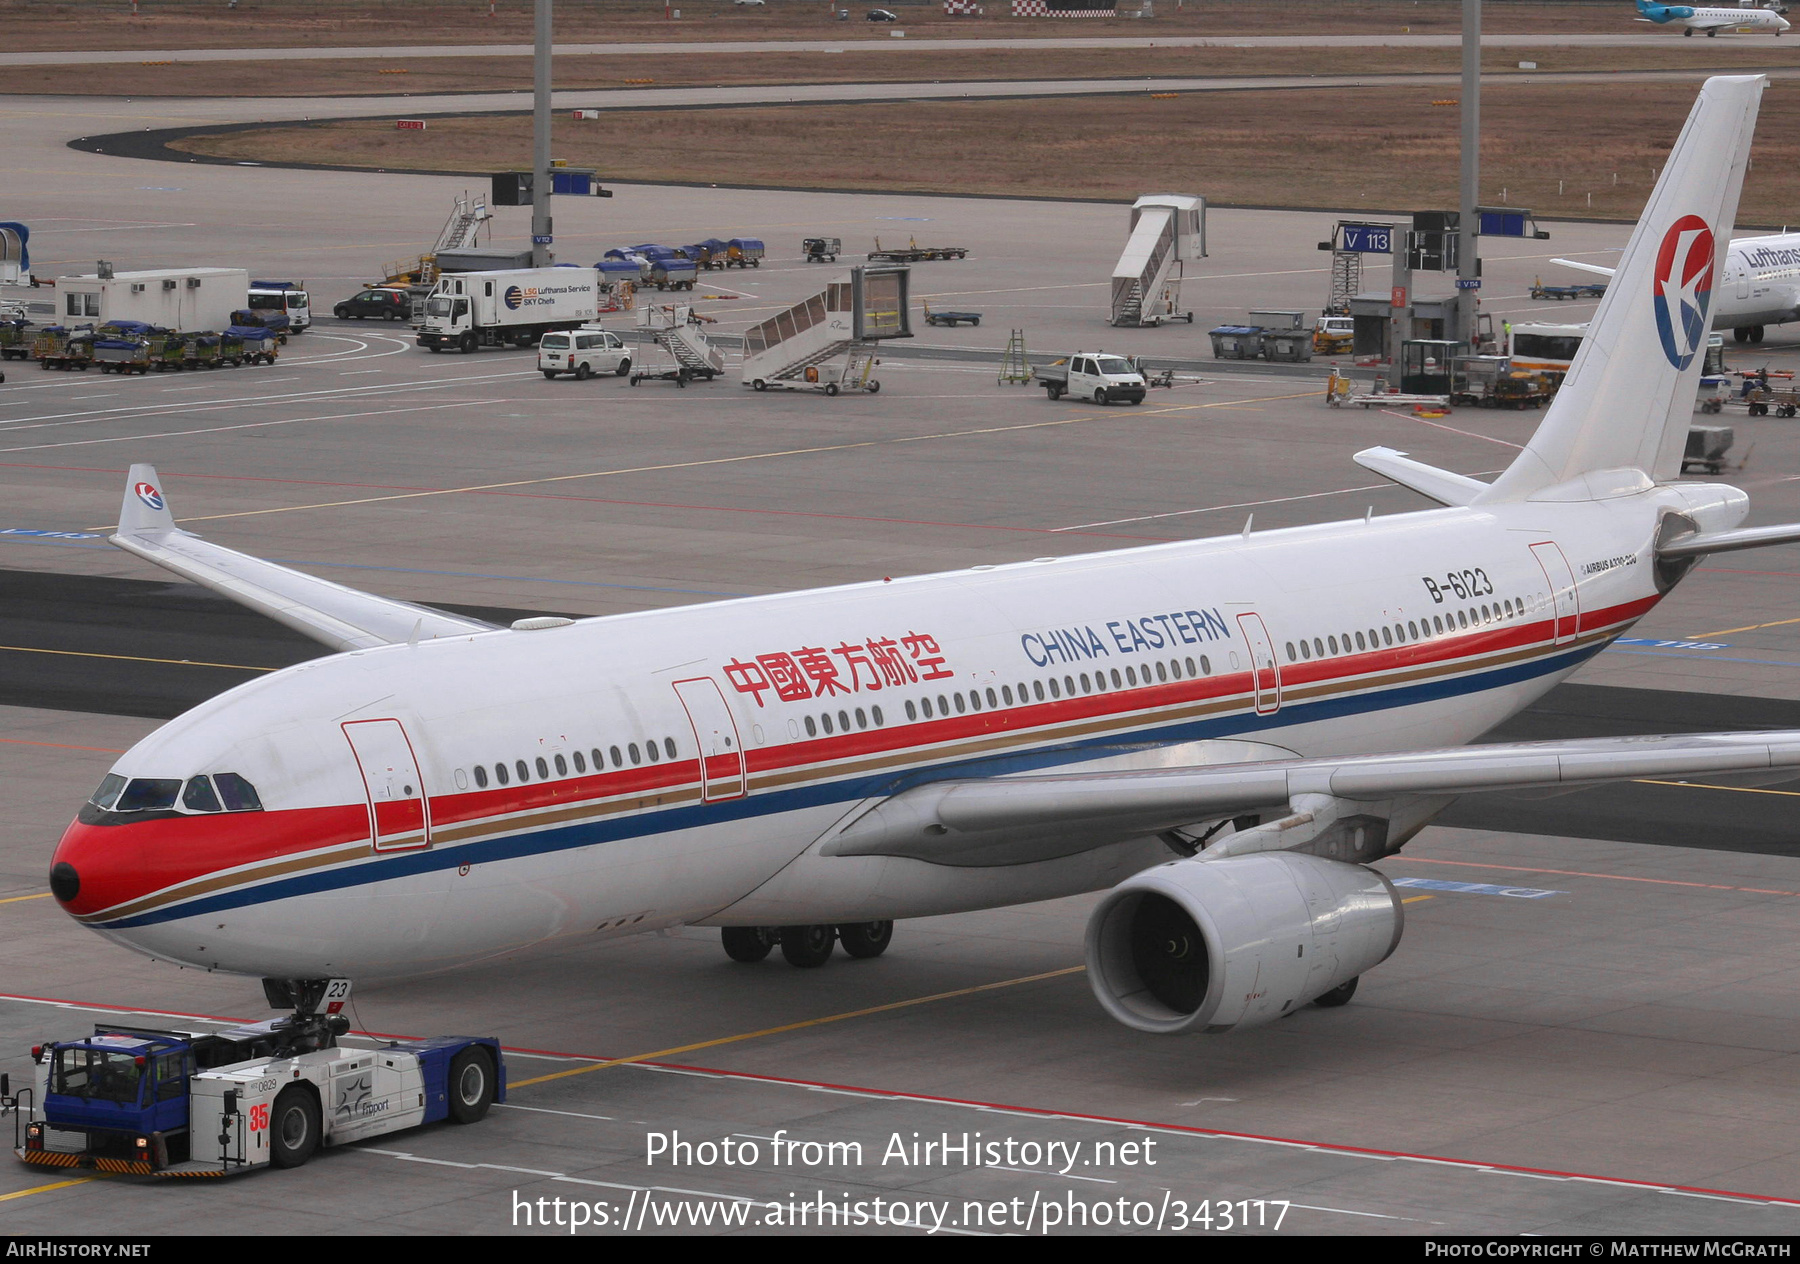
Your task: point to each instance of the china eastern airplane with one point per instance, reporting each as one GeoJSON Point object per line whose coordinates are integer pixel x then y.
{"type": "Point", "coordinates": [1222, 734]}
{"type": "Point", "coordinates": [1759, 284]}
{"type": "Point", "coordinates": [1746, 20]}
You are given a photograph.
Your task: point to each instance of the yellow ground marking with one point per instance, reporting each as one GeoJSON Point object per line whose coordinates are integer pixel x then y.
{"type": "Point", "coordinates": [1702, 785]}
{"type": "Point", "coordinates": [809, 1022]}
{"type": "Point", "coordinates": [14, 899]}
{"type": "Point", "coordinates": [718, 460]}
{"type": "Point", "coordinates": [1414, 899]}
{"type": "Point", "coordinates": [133, 658]}
{"type": "Point", "coordinates": [1750, 627]}
{"type": "Point", "coordinates": [44, 1189]}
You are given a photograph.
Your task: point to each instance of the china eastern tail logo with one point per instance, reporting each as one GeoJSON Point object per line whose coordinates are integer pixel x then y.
{"type": "Point", "coordinates": [514, 297]}
{"type": "Point", "coordinates": [1682, 288]}
{"type": "Point", "coordinates": [149, 495]}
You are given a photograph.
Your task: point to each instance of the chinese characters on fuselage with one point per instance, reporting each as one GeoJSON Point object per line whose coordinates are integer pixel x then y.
{"type": "Point", "coordinates": [812, 671]}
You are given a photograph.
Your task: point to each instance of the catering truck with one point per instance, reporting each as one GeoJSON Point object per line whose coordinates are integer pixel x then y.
{"type": "Point", "coordinates": [186, 300]}
{"type": "Point", "coordinates": [467, 310]}
{"type": "Point", "coordinates": [149, 1101]}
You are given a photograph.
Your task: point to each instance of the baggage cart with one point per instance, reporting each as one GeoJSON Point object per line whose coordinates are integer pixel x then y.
{"type": "Point", "coordinates": [122, 354]}
{"type": "Point", "coordinates": [951, 319]}
{"type": "Point", "coordinates": [822, 249]}
{"type": "Point", "coordinates": [201, 351]}
{"type": "Point", "coordinates": [708, 254]}
{"type": "Point", "coordinates": [167, 350]}
{"type": "Point", "coordinates": [15, 342]}
{"type": "Point", "coordinates": [1559, 292]}
{"type": "Point", "coordinates": [913, 252]}
{"type": "Point", "coordinates": [59, 347]}
{"type": "Point", "coordinates": [1783, 401]}
{"type": "Point", "coordinates": [249, 344]}
{"type": "Point", "coordinates": [1706, 449]}
{"type": "Point", "coordinates": [743, 252]}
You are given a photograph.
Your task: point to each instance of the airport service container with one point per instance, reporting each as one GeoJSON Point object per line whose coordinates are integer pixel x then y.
{"type": "Point", "coordinates": [185, 299]}
{"type": "Point", "coordinates": [1236, 342]}
{"type": "Point", "coordinates": [517, 306]}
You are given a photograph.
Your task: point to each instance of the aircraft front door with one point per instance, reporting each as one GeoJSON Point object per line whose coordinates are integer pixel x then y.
{"type": "Point", "coordinates": [1564, 598]}
{"type": "Point", "coordinates": [399, 813]}
{"type": "Point", "coordinates": [1265, 669]}
{"type": "Point", "coordinates": [722, 770]}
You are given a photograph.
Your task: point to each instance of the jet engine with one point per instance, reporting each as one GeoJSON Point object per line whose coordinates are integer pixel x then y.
{"type": "Point", "coordinates": [1211, 945]}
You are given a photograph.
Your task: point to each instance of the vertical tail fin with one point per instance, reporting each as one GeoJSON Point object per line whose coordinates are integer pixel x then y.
{"type": "Point", "coordinates": [1629, 396]}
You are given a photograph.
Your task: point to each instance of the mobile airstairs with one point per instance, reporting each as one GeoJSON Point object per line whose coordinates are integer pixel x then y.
{"type": "Point", "coordinates": [827, 342]}
{"type": "Point", "coordinates": [681, 332]}
{"type": "Point", "coordinates": [1168, 232]}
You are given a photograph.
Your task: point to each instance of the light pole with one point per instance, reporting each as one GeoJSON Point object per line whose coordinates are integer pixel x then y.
{"type": "Point", "coordinates": [540, 143]}
{"type": "Point", "coordinates": [1467, 258]}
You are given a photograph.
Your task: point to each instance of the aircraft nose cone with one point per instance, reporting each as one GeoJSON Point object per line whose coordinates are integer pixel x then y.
{"type": "Point", "coordinates": [65, 883]}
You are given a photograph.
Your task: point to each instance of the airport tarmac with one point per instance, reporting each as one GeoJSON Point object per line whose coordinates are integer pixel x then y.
{"type": "Point", "coordinates": [1578, 1034]}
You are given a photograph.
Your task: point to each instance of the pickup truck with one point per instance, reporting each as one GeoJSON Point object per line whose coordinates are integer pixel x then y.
{"type": "Point", "coordinates": [1092, 375]}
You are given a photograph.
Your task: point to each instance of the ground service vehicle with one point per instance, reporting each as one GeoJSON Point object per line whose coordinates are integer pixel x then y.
{"type": "Point", "coordinates": [583, 353]}
{"type": "Point", "coordinates": [1494, 382]}
{"type": "Point", "coordinates": [1334, 335]}
{"type": "Point", "coordinates": [520, 305]}
{"type": "Point", "coordinates": [1092, 375]}
{"type": "Point", "coordinates": [913, 252]}
{"type": "Point", "coordinates": [375, 304]}
{"type": "Point", "coordinates": [152, 1102]}
{"type": "Point", "coordinates": [952, 319]}
{"type": "Point", "coordinates": [284, 306]}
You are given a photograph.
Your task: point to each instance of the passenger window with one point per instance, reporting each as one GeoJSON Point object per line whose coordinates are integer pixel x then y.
{"type": "Point", "coordinates": [1462, 618]}
{"type": "Point", "coordinates": [1037, 690]}
{"type": "Point", "coordinates": [876, 713]}
{"type": "Point", "coordinates": [632, 750]}
{"type": "Point", "coordinates": [926, 703]}
{"type": "Point", "coordinates": [1318, 647]}
{"type": "Point", "coordinates": [862, 719]}
{"type": "Point", "coordinates": [543, 769]}
{"type": "Point", "coordinates": [669, 747]}
{"type": "Point", "coordinates": [580, 762]}
{"type": "Point", "coordinates": [1305, 650]}
{"type": "Point", "coordinates": [199, 796]}
{"type": "Point", "coordinates": [1290, 652]}
{"type": "Point", "coordinates": [1387, 636]}
{"type": "Point", "coordinates": [1359, 642]}
{"type": "Point", "coordinates": [1437, 623]}
{"type": "Point", "coordinates": [912, 712]}
{"type": "Point", "coordinates": [992, 701]}
{"type": "Point", "coordinates": [562, 766]}
{"type": "Point", "coordinates": [1174, 669]}
{"type": "Point", "coordinates": [520, 767]}
{"type": "Point", "coordinates": [1055, 691]}
{"type": "Point", "coordinates": [812, 728]}
{"type": "Point", "coordinates": [616, 761]}
{"type": "Point", "coordinates": [501, 775]}
{"type": "Point", "coordinates": [1161, 673]}
{"type": "Point", "coordinates": [943, 705]}
{"type": "Point", "coordinates": [826, 721]}
{"type": "Point", "coordinates": [480, 777]}
{"type": "Point", "coordinates": [651, 750]}
{"type": "Point", "coordinates": [1334, 648]}
{"type": "Point", "coordinates": [1205, 665]}
{"type": "Point", "coordinates": [1006, 694]}
{"type": "Point", "coordinates": [843, 721]}
{"type": "Point", "coordinates": [1412, 630]}
{"type": "Point", "coordinates": [959, 704]}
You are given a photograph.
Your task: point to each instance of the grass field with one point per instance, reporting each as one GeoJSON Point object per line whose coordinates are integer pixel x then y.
{"type": "Point", "coordinates": [1569, 150]}
{"type": "Point", "coordinates": [513, 74]}
{"type": "Point", "coordinates": [109, 24]}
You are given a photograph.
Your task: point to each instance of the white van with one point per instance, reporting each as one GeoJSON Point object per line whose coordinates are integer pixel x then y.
{"type": "Point", "coordinates": [583, 352]}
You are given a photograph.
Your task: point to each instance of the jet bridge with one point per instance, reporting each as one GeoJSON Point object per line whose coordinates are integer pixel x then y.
{"type": "Point", "coordinates": [827, 342]}
{"type": "Point", "coordinates": [1168, 232]}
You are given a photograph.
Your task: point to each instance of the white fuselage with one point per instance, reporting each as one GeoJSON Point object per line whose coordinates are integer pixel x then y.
{"type": "Point", "coordinates": [776, 718]}
{"type": "Point", "coordinates": [1761, 282]}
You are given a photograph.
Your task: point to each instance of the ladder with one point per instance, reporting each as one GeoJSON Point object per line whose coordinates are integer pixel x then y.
{"type": "Point", "coordinates": [1346, 281]}
{"type": "Point", "coordinates": [1131, 307]}
{"type": "Point", "coordinates": [467, 215]}
{"type": "Point", "coordinates": [691, 350]}
{"type": "Point", "coordinates": [1013, 366]}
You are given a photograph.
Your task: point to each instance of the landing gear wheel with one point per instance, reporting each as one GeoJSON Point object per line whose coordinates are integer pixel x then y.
{"type": "Point", "coordinates": [1339, 995]}
{"type": "Point", "coordinates": [1740, 334]}
{"type": "Point", "coordinates": [1756, 333]}
{"type": "Point", "coordinates": [807, 946]}
{"type": "Point", "coordinates": [748, 944]}
{"type": "Point", "coordinates": [293, 1127]}
{"type": "Point", "coordinates": [1688, 34]}
{"type": "Point", "coordinates": [831, 388]}
{"type": "Point", "coordinates": [582, 372]}
{"type": "Point", "coordinates": [866, 939]}
{"type": "Point", "coordinates": [471, 1085]}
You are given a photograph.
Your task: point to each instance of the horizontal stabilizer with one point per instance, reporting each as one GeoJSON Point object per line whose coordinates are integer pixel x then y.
{"type": "Point", "coordinates": [1730, 541]}
{"type": "Point", "coordinates": [1015, 820]}
{"type": "Point", "coordinates": [1443, 486]}
{"type": "Point", "coordinates": [343, 618]}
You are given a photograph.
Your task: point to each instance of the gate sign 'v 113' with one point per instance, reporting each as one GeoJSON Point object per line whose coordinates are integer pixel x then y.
{"type": "Point", "coordinates": [1683, 281]}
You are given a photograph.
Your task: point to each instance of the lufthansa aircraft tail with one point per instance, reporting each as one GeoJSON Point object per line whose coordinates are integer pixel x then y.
{"type": "Point", "coordinates": [1629, 396]}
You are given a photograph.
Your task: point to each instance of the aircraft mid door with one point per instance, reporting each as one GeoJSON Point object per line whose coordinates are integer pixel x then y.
{"type": "Point", "coordinates": [399, 812]}
{"type": "Point", "coordinates": [1264, 667]}
{"type": "Point", "coordinates": [1743, 280]}
{"type": "Point", "coordinates": [722, 771]}
{"type": "Point", "coordinates": [1564, 597]}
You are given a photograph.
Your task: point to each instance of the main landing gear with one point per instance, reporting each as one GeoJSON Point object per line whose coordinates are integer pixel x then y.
{"type": "Point", "coordinates": [1748, 333]}
{"type": "Point", "coordinates": [806, 946]}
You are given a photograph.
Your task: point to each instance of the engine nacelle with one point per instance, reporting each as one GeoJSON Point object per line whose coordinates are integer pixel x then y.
{"type": "Point", "coordinates": [1209, 945]}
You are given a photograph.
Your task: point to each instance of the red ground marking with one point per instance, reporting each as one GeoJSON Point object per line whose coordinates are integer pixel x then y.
{"type": "Point", "coordinates": [901, 1095]}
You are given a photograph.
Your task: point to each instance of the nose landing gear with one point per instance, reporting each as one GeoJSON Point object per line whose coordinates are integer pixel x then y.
{"type": "Point", "coordinates": [806, 946]}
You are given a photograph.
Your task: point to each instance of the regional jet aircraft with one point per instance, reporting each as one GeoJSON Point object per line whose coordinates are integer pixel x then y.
{"type": "Point", "coordinates": [1224, 735]}
{"type": "Point", "coordinates": [1747, 20]}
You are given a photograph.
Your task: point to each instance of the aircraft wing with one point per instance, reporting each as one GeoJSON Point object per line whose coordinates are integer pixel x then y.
{"type": "Point", "coordinates": [1595, 268]}
{"type": "Point", "coordinates": [343, 618]}
{"type": "Point", "coordinates": [1016, 820]}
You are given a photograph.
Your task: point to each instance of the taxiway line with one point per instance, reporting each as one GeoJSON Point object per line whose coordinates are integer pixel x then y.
{"type": "Point", "coordinates": [786, 1027]}
{"type": "Point", "coordinates": [44, 1189]}
{"type": "Point", "coordinates": [132, 658]}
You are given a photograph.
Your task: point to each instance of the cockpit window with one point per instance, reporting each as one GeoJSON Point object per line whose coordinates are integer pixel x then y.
{"type": "Point", "coordinates": [239, 795]}
{"type": "Point", "coordinates": [108, 793]}
{"type": "Point", "coordinates": [199, 796]}
{"type": "Point", "coordinates": [148, 794]}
